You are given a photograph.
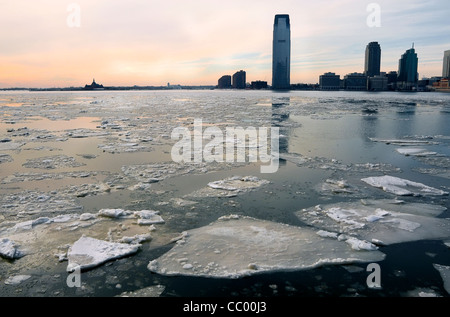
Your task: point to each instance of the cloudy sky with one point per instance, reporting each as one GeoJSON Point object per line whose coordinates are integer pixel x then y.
{"type": "Point", "coordinates": [194, 42]}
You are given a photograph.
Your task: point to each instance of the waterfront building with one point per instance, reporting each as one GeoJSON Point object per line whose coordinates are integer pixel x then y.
{"type": "Point", "coordinates": [329, 81]}
{"type": "Point", "coordinates": [239, 80]}
{"type": "Point", "coordinates": [355, 81]}
{"type": "Point", "coordinates": [407, 71]}
{"type": "Point", "coordinates": [373, 59]}
{"type": "Point", "coordinates": [224, 82]}
{"type": "Point", "coordinates": [281, 56]}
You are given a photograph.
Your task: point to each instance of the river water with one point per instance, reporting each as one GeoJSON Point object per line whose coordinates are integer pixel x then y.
{"type": "Point", "coordinates": [77, 153]}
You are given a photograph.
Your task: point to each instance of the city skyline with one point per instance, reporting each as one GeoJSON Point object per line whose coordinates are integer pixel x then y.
{"type": "Point", "coordinates": [136, 43]}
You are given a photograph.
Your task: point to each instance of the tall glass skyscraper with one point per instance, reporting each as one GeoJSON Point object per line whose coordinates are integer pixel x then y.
{"type": "Point", "coordinates": [446, 68]}
{"type": "Point", "coordinates": [407, 70]}
{"type": "Point", "coordinates": [373, 59]}
{"type": "Point", "coordinates": [281, 64]}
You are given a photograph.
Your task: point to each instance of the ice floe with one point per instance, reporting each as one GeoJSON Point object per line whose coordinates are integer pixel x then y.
{"type": "Point", "coordinates": [415, 151]}
{"type": "Point", "coordinates": [32, 202]}
{"type": "Point", "coordinates": [402, 187]}
{"type": "Point", "coordinates": [230, 187]}
{"type": "Point", "coordinates": [16, 279]}
{"type": "Point", "coordinates": [236, 246]}
{"type": "Point", "coordinates": [445, 275]}
{"type": "Point", "coordinates": [405, 141]}
{"type": "Point", "coordinates": [5, 158]}
{"type": "Point", "coordinates": [52, 162]}
{"type": "Point", "coordinates": [380, 222]}
{"type": "Point", "coordinates": [88, 252]}
{"type": "Point", "coordinates": [9, 249]}
{"type": "Point", "coordinates": [336, 165]}
{"type": "Point", "coordinates": [145, 217]}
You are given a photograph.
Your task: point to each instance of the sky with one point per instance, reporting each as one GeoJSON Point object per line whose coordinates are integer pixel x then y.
{"type": "Point", "coordinates": [57, 43]}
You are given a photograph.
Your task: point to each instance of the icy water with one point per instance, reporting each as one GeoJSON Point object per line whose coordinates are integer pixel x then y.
{"type": "Point", "coordinates": [363, 178]}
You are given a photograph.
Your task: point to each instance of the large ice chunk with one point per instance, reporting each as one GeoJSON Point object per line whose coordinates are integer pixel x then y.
{"type": "Point", "coordinates": [445, 274]}
{"type": "Point", "coordinates": [380, 221]}
{"type": "Point", "coordinates": [9, 250]}
{"type": "Point", "coordinates": [230, 187]}
{"type": "Point", "coordinates": [236, 246]}
{"type": "Point", "coordinates": [88, 252]}
{"type": "Point", "coordinates": [402, 187]}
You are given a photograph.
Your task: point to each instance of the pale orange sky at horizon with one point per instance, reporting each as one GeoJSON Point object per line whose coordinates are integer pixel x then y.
{"type": "Point", "coordinates": [125, 43]}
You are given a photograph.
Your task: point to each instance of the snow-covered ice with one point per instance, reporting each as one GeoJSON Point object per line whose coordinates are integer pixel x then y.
{"type": "Point", "coordinates": [88, 252]}
{"type": "Point", "coordinates": [445, 275]}
{"type": "Point", "coordinates": [9, 249]}
{"type": "Point", "coordinates": [230, 187]}
{"type": "Point", "coordinates": [402, 187]}
{"type": "Point", "coordinates": [16, 279]}
{"type": "Point", "coordinates": [236, 246]}
{"type": "Point", "coordinates": [415, 151]}
{"type": "Point", "coordinates": [381, 222]}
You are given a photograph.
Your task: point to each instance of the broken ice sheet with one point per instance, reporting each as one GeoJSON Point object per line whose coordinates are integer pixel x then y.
{"type": "Point", "coordinates": [230, 187]}
{"type": "Point", "coordinates": [415, 151]}
{"type": "Point", "coordinates": [32, 202]}
{"type": "Point", "coordinates": [9, 249]}
{"type": "Point", "coordinates": [405, 141]}
{"type": "Point", "coordinates": [145, 217]}
{"type": "Point", "coordinates": [88, 252]}
{"type": "Point", "coordinates": [402, 187]}
{"type": "Point", "coordinates": [445, 275]}
{"type": "Point", "coordinates": [52, 162]}
{"type": "Point", "coordinates": [5, 158]}
{"type": "Point", "coordinates": [236, 246]}
{"type": "Point", "coordinates": [379, 221]}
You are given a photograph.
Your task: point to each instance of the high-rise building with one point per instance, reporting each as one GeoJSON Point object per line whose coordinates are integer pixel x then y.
{"type": "Point", "coordinates": [224, 82]}
{"type": "Point", "coordinates": [239, 80]}
{"type": "Point", "coordinates": [329, 81]}
{"type": "Point", "coordinates": [373, 59]}
{"type": "Point", "coordinates": [446, 68]}
{"type": "Point", "coordinates": [407, 70]}
{"type": "Point", "coordinates": [281, 57]}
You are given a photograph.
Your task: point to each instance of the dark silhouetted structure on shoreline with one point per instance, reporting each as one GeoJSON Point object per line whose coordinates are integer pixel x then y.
{"type": "Point", "coordinates": [373, 60]}
{"type": "Point", "coordinates": [407, 71]}
{"type": "Point", "coordinates": [94, 86]}
{"type": "Point", "coordinates": [281, 56]}
{"type": "Point", "coordinates": [239, 80]}
{"type": "Point", "coordinates": [329, 81]}
{"type": "Point", "coordinates": [224, 82]}
{"type": "Point", "coordinates": [258, 84]}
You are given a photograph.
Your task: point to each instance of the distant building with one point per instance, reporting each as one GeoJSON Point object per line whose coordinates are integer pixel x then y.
{"type": "Point", "coordinates": [392, 80]}
{"type": "Point", "coordinates": [259, 84]}
{"type": "Point", "coordinates": [407, 71]}
{"type": "Point", "coordinates": [443, 85]}
{"type": "Point", "coordinates": [239, 80]}
{"type": "Point", "coordinates": [446, 67]}
{"type": "Point", "coordinates": [93, 86]}
{"type": "Point", "coordinates": [355, 81]}
{"type": "Point", "coordinates": [281, 56]}
{"type": "Point", "coordinates": [377, 83]}
{"type": "Point", "coordinates": [224, 82]}
{"type": "Point", "coordinates": [329, 81]}
{"type": "Point", "coordinates": [373, 60]}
